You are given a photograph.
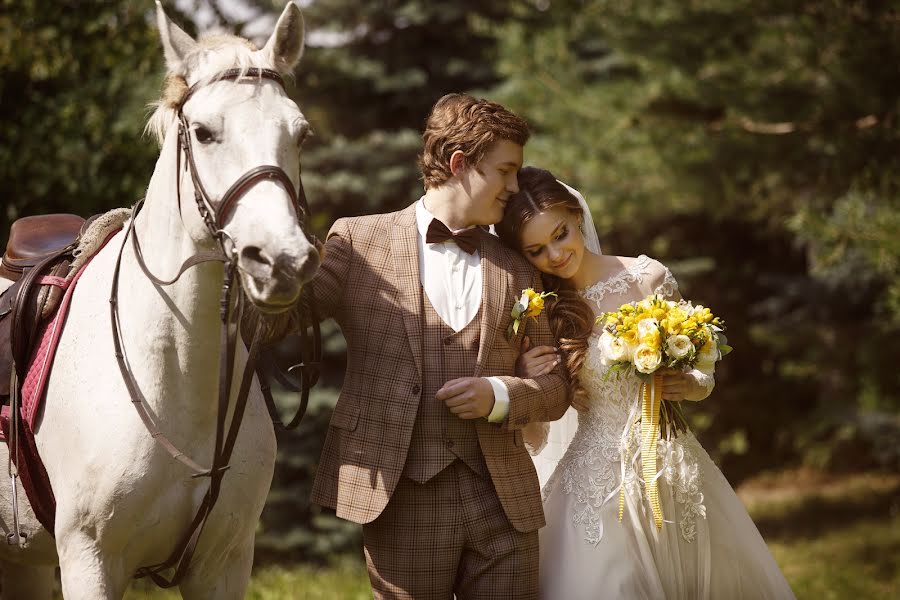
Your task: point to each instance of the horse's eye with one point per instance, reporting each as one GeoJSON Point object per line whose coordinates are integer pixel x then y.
{"type": "Point", "coordinates": [305, 134]}
{"type": "Point", "coordinates": [204, 135]}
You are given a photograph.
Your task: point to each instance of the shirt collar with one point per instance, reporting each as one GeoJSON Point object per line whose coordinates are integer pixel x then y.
{"type": "Point", "coordinates": [424, 217]}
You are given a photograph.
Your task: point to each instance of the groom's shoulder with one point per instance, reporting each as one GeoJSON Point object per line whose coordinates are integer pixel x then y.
{"type": "Point", "coordinates": [367, 225]}
{"type": "Point", "coordinates": [515, 261]}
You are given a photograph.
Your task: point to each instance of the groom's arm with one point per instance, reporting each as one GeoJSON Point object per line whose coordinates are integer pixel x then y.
{"type": "Point", "coordinates": [327, 287]}
{"type": "Point", "coordinates": [542, 398]}
{"type": "Point", "coordinates": [511, 401]}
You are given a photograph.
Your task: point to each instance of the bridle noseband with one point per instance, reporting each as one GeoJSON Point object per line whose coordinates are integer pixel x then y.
{"type": "Point", "coordinates": [232, 305]}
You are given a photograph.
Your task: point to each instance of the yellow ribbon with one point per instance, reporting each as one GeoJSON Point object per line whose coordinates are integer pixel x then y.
{"type": "Point", "coordinates": [651, 403]}
{"type": "Point", "coordinates": [651, 400]}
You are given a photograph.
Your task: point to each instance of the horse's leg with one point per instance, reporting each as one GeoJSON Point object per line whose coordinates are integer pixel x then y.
{"type": "Point", "coordinates": [227, 580]}
{"type": "Point", "coordinates": [26, 582]}
{"type": "Point", "coordinates": [87, 572]}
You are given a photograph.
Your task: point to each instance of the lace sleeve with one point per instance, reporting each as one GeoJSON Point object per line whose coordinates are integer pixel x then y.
{"type": "Point", "coordinates": [669, 287]}
{"type": "Point", "coordinates": [703, 375]}
{"type": "Point", "coordinates": [535, 436]}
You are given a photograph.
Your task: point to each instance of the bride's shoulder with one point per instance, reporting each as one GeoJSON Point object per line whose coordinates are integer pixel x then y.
{"type": "Point", "coordinates": [648, 273]}
{"type": "Point", "coordinates": [659, 279]}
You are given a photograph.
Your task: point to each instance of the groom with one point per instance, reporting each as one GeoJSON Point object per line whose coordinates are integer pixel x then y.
{"type": "Point", "coordinates": [425, 445]}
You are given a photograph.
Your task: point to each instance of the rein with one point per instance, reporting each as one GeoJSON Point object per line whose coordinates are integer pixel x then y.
{"type": "Point", "coordinates": [231, 312]}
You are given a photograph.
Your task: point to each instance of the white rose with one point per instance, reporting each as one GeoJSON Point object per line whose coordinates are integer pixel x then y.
{"type": "Point", "coordinates": [610, 349]}
{"type": "Point", "coordinates": [646, 359]}
{"type": "Point", "coordinates": [646, 326]}
{"type": "Point", "coordinates": [679, 346]}
{"type": "Point", "coordinates": [618, 349]}
{"type": "Point", "coordinates": [630, 349]}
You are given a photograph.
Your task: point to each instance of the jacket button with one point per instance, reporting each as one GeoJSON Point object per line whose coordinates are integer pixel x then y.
{"type": "Point", "coordinates": [416, 389]}
{"type": "Point", "coordinates": [450, 443]}
{"type": "Point", "coordinates": [447, 341]}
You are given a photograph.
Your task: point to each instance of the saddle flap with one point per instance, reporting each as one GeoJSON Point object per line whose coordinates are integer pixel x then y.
{"type": "Point", "coordinates": [33, 238]}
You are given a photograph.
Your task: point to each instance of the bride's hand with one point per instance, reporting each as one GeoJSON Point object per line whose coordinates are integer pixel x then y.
{"type": "Point", "coordinates": [537, 361]}
{"type": "Point", "coordinates": [675, 384]}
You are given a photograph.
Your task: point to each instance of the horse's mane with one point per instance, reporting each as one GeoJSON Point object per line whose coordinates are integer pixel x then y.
{"type": "Point", "coordinates": [231, 52]}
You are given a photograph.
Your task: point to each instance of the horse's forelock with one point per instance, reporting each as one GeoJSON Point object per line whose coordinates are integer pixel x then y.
{"type": "Point", "coordinates": [224, 52]}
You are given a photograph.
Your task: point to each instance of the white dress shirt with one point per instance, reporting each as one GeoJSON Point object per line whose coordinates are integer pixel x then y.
{"type": "Point", "coordinates": [451, 278]}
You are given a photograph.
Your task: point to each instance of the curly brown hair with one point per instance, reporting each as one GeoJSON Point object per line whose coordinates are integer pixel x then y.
{"type": "Point", "coordinates": [461, 122]}
{"type": "Point", "coordinates": [571, 318]}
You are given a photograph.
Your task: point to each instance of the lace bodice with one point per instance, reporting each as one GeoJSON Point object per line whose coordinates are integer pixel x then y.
{"type": "Point", "coordinates": [593, 468]}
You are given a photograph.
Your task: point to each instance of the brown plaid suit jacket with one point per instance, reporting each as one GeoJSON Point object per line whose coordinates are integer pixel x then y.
{"type": "Point", "coordinates": [369, 283]}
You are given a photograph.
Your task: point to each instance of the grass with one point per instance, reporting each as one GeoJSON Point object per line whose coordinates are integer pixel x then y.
{"type": "Point", "coordinates": [345, 580]}
{"type": "Point", "coordinates": [835, 537]}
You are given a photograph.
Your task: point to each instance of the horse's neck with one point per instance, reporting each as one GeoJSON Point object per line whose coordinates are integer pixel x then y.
{"type": "Point", "coordinates": [171, 333]}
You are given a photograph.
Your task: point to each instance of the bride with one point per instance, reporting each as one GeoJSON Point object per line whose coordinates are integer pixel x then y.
{"type": "Point", "coordinates": [708, 547]}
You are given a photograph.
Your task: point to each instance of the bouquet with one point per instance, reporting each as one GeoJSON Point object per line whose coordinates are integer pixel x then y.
{"type": "Point", "coordinates": [644, 337]}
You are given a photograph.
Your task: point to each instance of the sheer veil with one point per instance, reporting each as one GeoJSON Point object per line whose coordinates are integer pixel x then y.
{"type": "Point", "coordinates": [559, 434]}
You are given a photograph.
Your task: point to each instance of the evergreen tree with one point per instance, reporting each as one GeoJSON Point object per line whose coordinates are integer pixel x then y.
{"type": "Point", "coordinates": [753, 147]}
{"type": "Point", "coordinates": [77, 76]}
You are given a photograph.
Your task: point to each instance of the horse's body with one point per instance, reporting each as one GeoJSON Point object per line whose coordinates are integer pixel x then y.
{"type": "Point", "coordinates": [122, 501]}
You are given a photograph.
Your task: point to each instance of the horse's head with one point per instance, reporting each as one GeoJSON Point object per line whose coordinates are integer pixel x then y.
{"type": "Point", "coordinates": [235, 117]}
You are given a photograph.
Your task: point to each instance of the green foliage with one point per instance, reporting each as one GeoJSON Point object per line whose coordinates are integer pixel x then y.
{"type": "Point", "coordinates": [367, 89]}
{"type": "Point", "coordinates": [752, 147]}
{"type": "Point", "coordinates": [76, 78]}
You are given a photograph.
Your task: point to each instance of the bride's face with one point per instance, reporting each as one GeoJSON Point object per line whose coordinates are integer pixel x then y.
{"type": "Point", "coordinates": [553, 243]}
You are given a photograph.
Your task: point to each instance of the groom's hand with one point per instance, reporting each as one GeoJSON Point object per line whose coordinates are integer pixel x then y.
{"type": "Point", "coordinates": [467, 397]}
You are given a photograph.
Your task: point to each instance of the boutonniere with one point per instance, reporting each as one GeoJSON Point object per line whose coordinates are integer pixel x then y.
{"type": "Point", "coordinates": [529, 304]}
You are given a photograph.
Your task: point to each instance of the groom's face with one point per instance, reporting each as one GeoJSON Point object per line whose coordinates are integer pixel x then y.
{"type": "Point", "coordinates": [491, 182]}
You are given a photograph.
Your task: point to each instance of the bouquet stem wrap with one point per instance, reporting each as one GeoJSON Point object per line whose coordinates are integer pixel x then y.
{"type": "Point", "coordinates": [651, 401]}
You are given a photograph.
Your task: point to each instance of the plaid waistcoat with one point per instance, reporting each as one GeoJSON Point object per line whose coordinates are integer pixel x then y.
{"type": "Point", "coordinates": [439, 437]}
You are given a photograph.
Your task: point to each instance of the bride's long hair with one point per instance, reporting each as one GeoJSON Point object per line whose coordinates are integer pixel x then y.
{"type": "Point", "coordinates": [571, 319]}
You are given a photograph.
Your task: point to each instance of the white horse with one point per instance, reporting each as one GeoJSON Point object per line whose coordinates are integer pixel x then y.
{"type": "Point", "coordinates": [122, 502]}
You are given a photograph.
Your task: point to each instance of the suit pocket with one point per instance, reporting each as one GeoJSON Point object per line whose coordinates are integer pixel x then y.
{"type": "Point", "coordinates": [345, 419]}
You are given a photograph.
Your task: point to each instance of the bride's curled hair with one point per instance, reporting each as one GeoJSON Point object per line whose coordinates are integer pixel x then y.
{"type": "Point", "coordinates": [571, 319]}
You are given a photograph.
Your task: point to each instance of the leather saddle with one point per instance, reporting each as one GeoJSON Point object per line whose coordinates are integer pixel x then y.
{"type": "Point", "coordinates": [38, 246]}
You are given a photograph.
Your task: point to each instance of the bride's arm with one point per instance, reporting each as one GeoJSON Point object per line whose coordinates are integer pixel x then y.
{"type": "Point", "coordinates": [699, 381]}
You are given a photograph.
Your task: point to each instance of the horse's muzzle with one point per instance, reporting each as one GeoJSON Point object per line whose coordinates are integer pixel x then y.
{"type": "Point", "coordinates": [273, 285]}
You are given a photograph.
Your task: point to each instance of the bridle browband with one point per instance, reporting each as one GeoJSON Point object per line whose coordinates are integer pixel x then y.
{"type": "Point", "coordinates": [231, 311]}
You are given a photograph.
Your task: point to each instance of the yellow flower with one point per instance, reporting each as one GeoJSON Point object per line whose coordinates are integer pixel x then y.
{"type": "Point", "coordinates": [535, 305]}
{"type": "Point", "coordinates": [652, 340]}
{"type": "Point", "coordinates": [529, 305]}
{"type": "Point", "coordinates": [676, 315]}
{"type": "Point", "coordinates": [704, 315]}
{"type": "Point", "coordinates": [630, 336]}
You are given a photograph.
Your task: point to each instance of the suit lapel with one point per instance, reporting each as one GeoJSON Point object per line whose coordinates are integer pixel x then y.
{"type": "Point", "coordinates": [495, 283]}
{"type": "Point", "coordinates": [405, 250]}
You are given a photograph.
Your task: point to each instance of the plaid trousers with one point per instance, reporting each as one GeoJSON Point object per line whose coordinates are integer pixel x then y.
{"type": "Point", "coordinates": [449, 536]}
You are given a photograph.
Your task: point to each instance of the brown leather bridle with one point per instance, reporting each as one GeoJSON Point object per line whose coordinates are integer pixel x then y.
{"type": "Point", "coordinates": [231, 310]}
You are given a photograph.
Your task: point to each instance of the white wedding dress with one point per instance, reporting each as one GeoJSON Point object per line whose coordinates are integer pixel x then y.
{"type": "Point", "coordinates": [708, 547]}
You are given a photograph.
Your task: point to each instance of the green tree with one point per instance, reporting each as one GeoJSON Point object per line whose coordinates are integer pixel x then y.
{"type": "Point", "coordinates": [753, 147]}
{"type": "Point", "coordinates": [76, 78]}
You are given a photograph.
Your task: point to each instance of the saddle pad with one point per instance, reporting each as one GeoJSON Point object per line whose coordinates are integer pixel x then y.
{"type": "Point", "coordinates": [31, 470]}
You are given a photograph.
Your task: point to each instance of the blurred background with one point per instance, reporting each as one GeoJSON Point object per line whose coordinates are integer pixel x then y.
{"type": "Point", "coordinates": [753, 147]}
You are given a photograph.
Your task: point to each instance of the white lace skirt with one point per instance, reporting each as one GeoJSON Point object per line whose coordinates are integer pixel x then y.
{"type": "Point", "coordinates": [708, 548]}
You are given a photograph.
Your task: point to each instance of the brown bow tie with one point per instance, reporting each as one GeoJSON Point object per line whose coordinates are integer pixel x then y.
{"type": "Point", "coordinates": [467, 239]}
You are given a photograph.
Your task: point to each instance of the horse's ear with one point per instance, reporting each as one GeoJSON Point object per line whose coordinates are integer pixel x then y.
{"type": "Point", "coordinates": [285, 47]}
{"type": "Point", "coordinates": [176, 43]}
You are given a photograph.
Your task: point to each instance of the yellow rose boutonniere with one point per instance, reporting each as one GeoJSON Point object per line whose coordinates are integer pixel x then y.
{"type": "Point", "coordinates": [529, 305]}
